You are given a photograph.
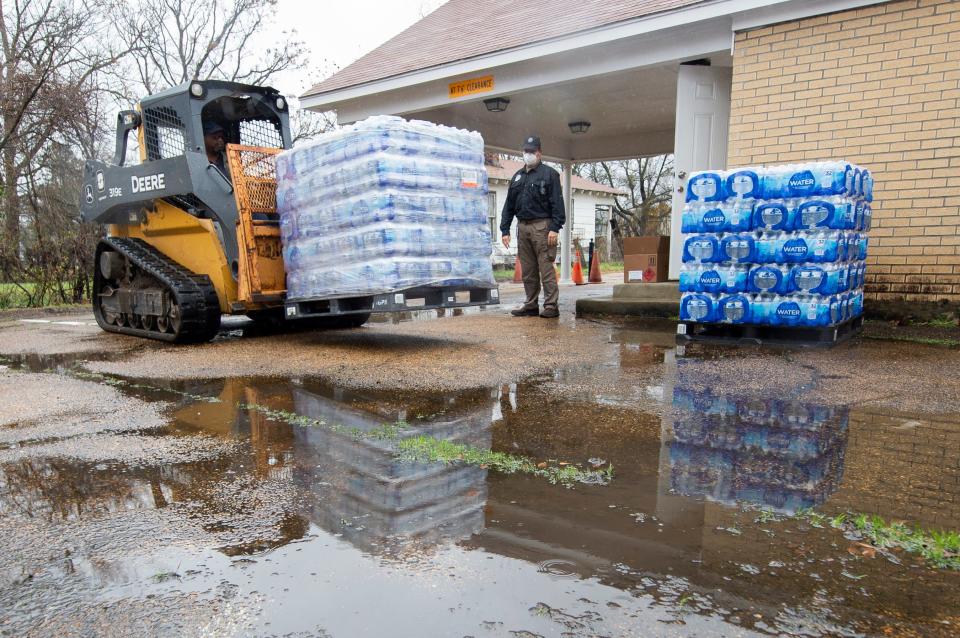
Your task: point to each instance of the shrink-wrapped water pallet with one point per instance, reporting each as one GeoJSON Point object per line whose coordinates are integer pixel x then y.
{"type": "Point", "coordinates": [381, 206]}
{"type": "Point", "coordinates": [776, 245]}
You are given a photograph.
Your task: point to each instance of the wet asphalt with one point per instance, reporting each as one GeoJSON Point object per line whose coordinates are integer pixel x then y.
{"type": "Point", "coordinates": [240, 488]}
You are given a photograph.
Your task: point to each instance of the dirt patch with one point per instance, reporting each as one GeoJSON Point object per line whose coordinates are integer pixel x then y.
{"type": "Point", "coordinates": [60, 334]}
{"type": "Point", "coordinates": [906, 377]}
{"type": "Point", "coordinates": [456, 353]}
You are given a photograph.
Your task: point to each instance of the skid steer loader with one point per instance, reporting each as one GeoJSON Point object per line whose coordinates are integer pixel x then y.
{"type": "Point", "coordinates": [189, 239]}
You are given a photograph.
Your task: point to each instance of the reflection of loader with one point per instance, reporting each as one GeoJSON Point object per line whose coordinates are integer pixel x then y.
{"type": "Point", "coordinates": [190, 239]}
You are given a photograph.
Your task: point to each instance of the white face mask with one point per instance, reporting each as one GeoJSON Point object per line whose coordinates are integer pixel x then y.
{"type": "Point", "coordinates": [529, 159]}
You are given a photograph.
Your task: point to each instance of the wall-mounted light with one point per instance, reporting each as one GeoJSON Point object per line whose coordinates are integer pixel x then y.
{"type": "Point", "coordinates": [579, 127]}
{"type": "Point", "coordinates": [497, 104]}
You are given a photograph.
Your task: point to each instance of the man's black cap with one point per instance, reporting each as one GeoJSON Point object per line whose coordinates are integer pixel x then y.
{"type": "Point", "coordinates": [210, 127]}
{"type": "Point", "coordinates": [532, 143]}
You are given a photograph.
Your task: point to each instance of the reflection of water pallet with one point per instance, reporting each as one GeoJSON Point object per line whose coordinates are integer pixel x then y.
{"type": "Point", "coordinates": [736, 334]}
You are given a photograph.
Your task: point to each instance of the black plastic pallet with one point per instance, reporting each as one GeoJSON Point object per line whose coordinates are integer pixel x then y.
{"type": "Point", "coordinates": [748, 334]}
{"type": "Point", "coordinates": [420, 298]}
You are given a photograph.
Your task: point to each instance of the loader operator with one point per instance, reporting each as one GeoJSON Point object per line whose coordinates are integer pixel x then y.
{"type": "Point", "coordinates": [535, 199]}
{"type": "Point", "coordinates": [215, 141]}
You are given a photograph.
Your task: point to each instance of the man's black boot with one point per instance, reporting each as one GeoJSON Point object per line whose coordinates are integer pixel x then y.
{"type": "Point", "coordinates": [525, 312]}
{"type": "Point", "coordinates": [550, 313]}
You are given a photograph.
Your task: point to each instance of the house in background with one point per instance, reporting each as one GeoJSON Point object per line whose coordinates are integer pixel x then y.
{"type": "Point", "coordinates": [592, 204]}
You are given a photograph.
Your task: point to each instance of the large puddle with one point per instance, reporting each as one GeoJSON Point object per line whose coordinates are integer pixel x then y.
{"type": "Point", "coordinates": [318, 528]}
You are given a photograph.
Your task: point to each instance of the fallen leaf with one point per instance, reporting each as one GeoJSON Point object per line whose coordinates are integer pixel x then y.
{"type": "Point", "coordinates": [543, 464]}
{"type": "Point", "coordinates": [563, 463]}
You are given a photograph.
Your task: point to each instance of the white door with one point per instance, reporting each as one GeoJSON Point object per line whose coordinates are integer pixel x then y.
{"type": "Point", "coordinates": [703, 123]}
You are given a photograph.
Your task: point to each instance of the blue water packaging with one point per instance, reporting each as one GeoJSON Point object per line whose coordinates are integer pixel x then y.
{"type": "Point", "coordinates": [718, 217]}
{"type": "Point", "coordinates": [807, 180]}
{"type": "Point", "coordinates": [799, 247]}
{"type": "Point", "coordinates": [713, 278]}
{"type": "Point", "coordinates": [695, 306]}
{"type": "Point", "coordinates": [772, 216]}
{"type": "Point", "coordinates": [701, 248]}
{"type": "Point", "coordinates": [705, 186]}
{"type": "Point", "coordinates": [837, 213]}
{"type": "Point", "coordinates": [769, 279]}
{"type": "Point", "coordinates": [795, 259]}
{"type": "Point", "coordinates": [738, 248]}
{"type": "Point", "coordinates": [745, 183]}
{"type": "Point", "coordinates": [734, 309]}
{"type": "Point", "coordinates": [818, 279]}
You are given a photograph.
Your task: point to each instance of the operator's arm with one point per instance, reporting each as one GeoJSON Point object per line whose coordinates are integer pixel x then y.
{"type": "Point", "coordinates": [557, 216]}
{"type": "Point", "coordinates": [509, 210]}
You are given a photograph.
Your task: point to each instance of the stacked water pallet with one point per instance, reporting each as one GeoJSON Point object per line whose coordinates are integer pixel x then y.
{"type": "Point", "coordinates": [779, 248]}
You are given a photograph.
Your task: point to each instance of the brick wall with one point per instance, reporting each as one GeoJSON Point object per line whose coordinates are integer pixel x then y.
{"type": "Point", "coordinates": [879, 86]}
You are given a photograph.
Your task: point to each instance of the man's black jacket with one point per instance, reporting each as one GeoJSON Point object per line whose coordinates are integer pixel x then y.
{"type": "Point", "coordinates": [534, 195]}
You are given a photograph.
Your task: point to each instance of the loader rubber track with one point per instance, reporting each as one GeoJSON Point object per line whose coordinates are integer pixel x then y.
{"type": "Point", "coordinates": [194, 295]}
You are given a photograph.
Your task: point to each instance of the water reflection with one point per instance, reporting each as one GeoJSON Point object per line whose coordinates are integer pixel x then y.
{"type": "Point", "coordinates": [375, 499]}
{"type": "Point", "coordinates": [782, 454]}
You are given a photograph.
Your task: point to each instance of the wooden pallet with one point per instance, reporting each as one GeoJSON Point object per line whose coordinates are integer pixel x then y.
{"type": "Point", "coordinates": [748, 334]}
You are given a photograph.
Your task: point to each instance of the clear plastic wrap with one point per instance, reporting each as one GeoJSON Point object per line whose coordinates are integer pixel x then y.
{"type": "Point", "coordinates": [384, 205]}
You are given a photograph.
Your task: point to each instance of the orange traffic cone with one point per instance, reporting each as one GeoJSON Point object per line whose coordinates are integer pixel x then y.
{"type": "Point", "coordinates": [517, 272]}
{"type": "Point", "coordinates": [577, 273]}
{"type": "Point", "coordinates": [595, 277]}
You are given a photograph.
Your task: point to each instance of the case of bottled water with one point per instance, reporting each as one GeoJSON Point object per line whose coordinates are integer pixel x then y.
{"type": "Point", "coordinates": [713, 278]}
{"type": "Point", "coordinates": [776, 245]}
{"type": "Point", "coordinates": [384, 205]}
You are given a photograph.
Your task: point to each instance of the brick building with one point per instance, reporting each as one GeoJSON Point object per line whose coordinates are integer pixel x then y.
{"type": "Point", "coordinates": [880, 86]}
{"type": "Point", "coordinates": [718, 83]}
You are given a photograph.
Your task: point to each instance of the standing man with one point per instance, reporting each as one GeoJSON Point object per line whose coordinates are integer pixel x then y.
{"type": "Point", "coordinates": [536, 200]}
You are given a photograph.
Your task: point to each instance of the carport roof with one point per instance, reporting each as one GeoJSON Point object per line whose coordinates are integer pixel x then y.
{"type": "Point", "coordinates": [485, 27]}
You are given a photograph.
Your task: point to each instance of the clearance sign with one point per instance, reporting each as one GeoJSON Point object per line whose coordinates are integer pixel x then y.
{"type": "Point", "coordinates": [471, 86]}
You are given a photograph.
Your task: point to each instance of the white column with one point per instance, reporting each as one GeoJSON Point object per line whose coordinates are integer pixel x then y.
{"type": "Point", "coordinates": [567, 238]}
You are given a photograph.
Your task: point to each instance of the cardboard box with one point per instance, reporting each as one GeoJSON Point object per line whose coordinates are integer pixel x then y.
{"type": "Point", "coordinates": [645, 269]}
{"type": "Point", "coordinates": [646, 259]}
{"type": "Point", "coordinates": [650, 245]}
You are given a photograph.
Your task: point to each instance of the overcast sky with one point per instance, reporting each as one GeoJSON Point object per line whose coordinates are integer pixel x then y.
{"type": "Point", "coordinates": [337, 33]}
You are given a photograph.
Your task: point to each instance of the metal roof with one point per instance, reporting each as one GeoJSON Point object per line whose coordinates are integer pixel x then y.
{"type": "Point", "coordinates": [463, 29]}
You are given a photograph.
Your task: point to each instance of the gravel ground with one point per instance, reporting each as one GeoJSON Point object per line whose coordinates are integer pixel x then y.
{"type": "Point", "coordinates": [477, 350]}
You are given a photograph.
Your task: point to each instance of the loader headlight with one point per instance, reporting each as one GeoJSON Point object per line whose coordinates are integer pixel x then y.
{"type": "Point", "coordinates": [196, 89]}
{"type": "Point", "coordinates": [281, 104]}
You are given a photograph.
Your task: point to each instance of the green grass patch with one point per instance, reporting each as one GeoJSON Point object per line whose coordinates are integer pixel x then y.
{"type": "Point", "coordinates": [941, 322]}
{"type": "Point", "coordinates": [25, 295]}
{"type": "Point", "coordinates": [427, 449]}
{"type": "Point", "coordinates": [938, 548]}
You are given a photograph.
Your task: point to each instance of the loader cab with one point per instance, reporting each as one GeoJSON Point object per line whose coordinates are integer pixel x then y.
{"type": "Point", "coordinates": [173, 120]}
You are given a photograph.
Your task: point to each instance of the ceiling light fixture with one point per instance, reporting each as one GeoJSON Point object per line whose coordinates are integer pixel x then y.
{"type": "Point", "coordinates": [578, 127]}
{"type": "Point", "coordinates": [497, 104]}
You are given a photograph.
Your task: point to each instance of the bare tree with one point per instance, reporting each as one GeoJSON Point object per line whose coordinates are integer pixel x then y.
{"type": "Point", "coordinates": [647, 186]}
{"type": "Point", "coordinates": [182, 40]}
{"type": "Point", "coordinates": [50, 54]}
